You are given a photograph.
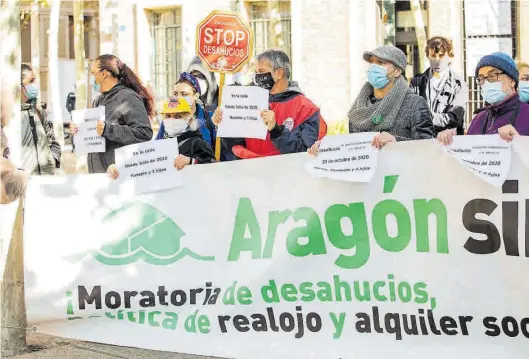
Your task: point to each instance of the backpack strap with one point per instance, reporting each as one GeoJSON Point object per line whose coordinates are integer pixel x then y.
{"type": "Point", "coordinates": [31, 114]}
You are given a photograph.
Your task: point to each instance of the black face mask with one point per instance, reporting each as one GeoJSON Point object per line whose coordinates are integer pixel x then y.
{"type": "Point", "coordinates": [265, 81]}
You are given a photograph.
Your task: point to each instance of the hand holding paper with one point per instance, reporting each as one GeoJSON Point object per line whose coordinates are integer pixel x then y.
{"type": "Point", "coordinates": [149, 166]}
{"type": "Point", "coordinates": [345, 157]}
{"type": "Point", "coordinates": [242, 110]}
{"type": "Point", "coordinates": [88, 126]}
{"type": "Point", "coordinates": [487, 156]}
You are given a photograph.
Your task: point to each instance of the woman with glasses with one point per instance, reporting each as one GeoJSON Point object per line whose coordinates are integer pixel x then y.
{"type": "Point", "coordinates": [523, 88]}
{"type": "Point", "coordinates": [504, 113]}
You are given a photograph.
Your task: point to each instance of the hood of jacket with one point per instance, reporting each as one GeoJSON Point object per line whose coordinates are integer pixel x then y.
{"type": "Point", "coordinates": [291, 91]}
{"type": "Point", "coordinates": [196, 64]}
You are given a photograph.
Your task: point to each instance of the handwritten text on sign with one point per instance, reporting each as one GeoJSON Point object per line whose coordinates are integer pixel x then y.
{"type": "Point", "coordinates": [149, 166]}
{"type": "Point", "coordinates": [346, 157]}
{"type": "Point", "coordinates": [241, 112]}
{"type": "Point", "coordinates": [489, 157]}
{"type": "Point", "coordinates": [87, 140]}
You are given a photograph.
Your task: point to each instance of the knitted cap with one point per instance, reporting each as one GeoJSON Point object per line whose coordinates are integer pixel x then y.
{"type": "Point", "coordinates": [502, 62]}
{"type": "Point", "coordinates": [388, 53]}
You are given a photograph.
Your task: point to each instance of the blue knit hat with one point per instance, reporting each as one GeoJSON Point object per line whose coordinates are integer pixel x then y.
{"type": "Point", "coordinates": [501, 61]}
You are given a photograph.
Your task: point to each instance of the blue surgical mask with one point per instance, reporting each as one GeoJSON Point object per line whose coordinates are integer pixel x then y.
{"type": "Point", "coordinates": [377, 76]}
{"type": "Point", "coordinates": [32, 91]}
{"type": "Point", "coordinates": [96, 87]}
{"type": "Point", "coordinates": [523, 89]}
{"type": "Point", "coordinates": [492, 92]}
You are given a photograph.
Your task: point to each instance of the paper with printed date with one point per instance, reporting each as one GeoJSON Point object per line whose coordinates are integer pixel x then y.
{"type": "Point", "coordinates": [487, 156]}
{"type": "Point", "coordinates": [346, 157]}
{"type": "Point", "coordinates": [148, 166]}
{"type": "Point", "coordinates": [241, 112]}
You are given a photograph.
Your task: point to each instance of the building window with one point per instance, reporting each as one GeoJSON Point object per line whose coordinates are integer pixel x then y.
{"type": "Point", "coordinates": [406, 35]}
{"type": "Point", "coordinates": [166, 32]}
{"type": "Point", "coordinates": [88, 24]}
{"type": "Point", "coordinates": [479, 40]}
{"type": "Point", "coordinates": [261, 23]}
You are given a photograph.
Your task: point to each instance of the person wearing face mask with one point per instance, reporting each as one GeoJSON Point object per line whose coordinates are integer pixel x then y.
{"type": "Point", "coordinates": [445, 91]}
{"type": "Point", "coordinates": [386, 104]}
{"type": "Point", "coordinates": [189, 87]}
{"type": "Point", "coordinates": [209, 90]}
{"type": "Point", "coordinates": [41, 153]}
{"type": "Point", "coordinates": [294, 123]}
{"type": "Point", "coordinates": [504, 113]}
{"type": "Point", "coordinates": [128, 109]}
{"type": "Point", "coordinates": [523, 87]}
{"type": "Point", "coordinates": [179, 123]}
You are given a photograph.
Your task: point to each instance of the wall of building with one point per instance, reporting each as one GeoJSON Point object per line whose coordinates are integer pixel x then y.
{"type": "Point", "coordinates": [523, 30]}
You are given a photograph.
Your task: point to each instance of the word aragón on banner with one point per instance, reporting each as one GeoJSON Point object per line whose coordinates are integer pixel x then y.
{"type": "Point", "coordinates": [426, 260]}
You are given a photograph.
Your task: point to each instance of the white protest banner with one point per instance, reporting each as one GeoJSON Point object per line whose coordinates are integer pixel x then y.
{"type": "Point", "coordinates": [346, 157]}
{"type": "Point", "coordinates": [87, 140]}
{"type": "Point", "coordinates": [148, 166]}
{"type": "Point", "coordinates": [241, 112]}
{"type": "Point", "coordinates": [256, 259]}
{"type": "Point", "coordinates": [489, 157]}
{"type": "Point", "coordinates": [519, 144]}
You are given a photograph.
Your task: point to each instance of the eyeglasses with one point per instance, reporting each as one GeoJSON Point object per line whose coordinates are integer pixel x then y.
{"type": "Point", "coordinates": [492, 77]}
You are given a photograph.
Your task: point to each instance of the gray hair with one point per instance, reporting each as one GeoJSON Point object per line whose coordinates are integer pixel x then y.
{"type": "Point", "coordinates": [279, 60]}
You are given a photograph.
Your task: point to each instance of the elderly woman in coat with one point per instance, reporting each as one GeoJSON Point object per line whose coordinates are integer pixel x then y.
{"type": "Point", "coordinates": [386, 104]}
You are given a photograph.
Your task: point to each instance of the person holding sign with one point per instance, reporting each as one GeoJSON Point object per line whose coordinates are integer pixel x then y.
{"type": "Point", "coordinates": [386, 104]}
{"type": "Point", "coordinates": [504, 113]}
{"type": "Point", "coordinates": [179, 123]}
{"type": "Point", "coordinates": [128, 106]}
{"type": "Point", "coordinates": [293, 122]}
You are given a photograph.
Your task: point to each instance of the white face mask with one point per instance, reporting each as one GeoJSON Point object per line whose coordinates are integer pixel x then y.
{"type": "Point", "coordinates": [203, 86]}
{"type": "Point", "coordinates": [175, 126]}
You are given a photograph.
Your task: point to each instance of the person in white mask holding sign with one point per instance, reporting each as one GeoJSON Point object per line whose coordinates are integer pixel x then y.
{"type": "Point", "coordinates": [445, 91]}
{"type": "Point", "coordinates": [179, 123]}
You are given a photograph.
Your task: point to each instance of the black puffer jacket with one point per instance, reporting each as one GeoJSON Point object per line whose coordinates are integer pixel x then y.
{"type": "Point", "coordinates": [414, 121]}
{"type": "Point", "coordinates": [192, 145]}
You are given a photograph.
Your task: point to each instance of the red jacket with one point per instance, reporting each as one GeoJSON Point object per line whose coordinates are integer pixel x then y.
{"type": "Point", "coordinates": [298, 125]}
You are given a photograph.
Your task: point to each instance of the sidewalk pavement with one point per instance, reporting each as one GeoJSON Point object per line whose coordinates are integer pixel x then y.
{"type": "Point", "coordinates": [43, 346]}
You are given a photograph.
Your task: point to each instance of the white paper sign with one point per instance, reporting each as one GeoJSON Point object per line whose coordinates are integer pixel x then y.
{"type": "Point", "coordinates": [346, 157]}
{"type": "Point", "coordinates": [148, 167]}
{"type": "Point", "coordinates": [487, 156]}
{"type": "Point", "coordinates": [87, 140]}
{"type": "Point", "coordinates": [241, 112]}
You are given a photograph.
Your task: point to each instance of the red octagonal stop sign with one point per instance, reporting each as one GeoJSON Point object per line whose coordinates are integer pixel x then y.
{"type": "Point", "coordinates": [224, 42]}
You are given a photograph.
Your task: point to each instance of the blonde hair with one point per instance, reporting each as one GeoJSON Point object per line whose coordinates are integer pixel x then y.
{"type": "Point", "coordinates": [521, 65]}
